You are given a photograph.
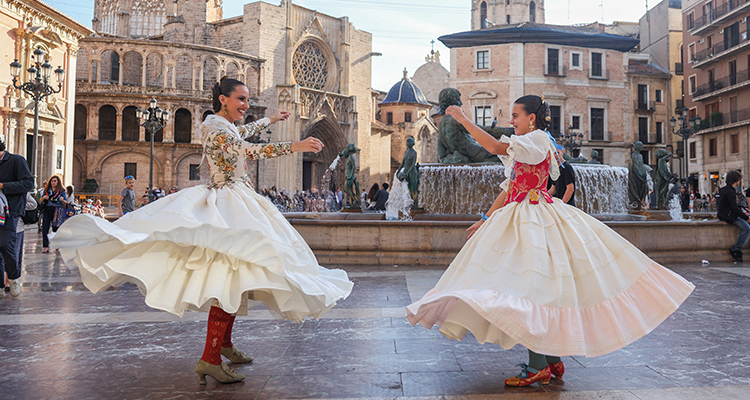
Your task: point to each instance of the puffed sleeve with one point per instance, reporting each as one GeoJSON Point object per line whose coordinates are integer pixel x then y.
{"type": "Point", "coordinates": [531, 148]}
{"type": "Point", "coordinates": [229, 143]}
{"type": "Point", "coordinates": [254, 127]}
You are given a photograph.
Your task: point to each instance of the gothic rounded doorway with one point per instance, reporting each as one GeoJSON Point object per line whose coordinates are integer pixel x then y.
{"type": "Point", "coordinates": [315, 165]}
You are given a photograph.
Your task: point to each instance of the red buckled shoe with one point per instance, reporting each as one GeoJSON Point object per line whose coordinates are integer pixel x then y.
{"type": "Point", "coordinates": [557, 369]}
{"type": "Point", "coordinates": [529, 376]}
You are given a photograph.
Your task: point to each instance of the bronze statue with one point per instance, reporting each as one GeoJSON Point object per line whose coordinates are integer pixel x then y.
{"type": "Point", "coordinates": [409, 170]}
{"type": "Point", "coordinates": [637, 179]}
{"type": "Point", "coordinates": [575, 160]}
{"type": "Point", "coordinates": [661, 179]}
{"type": "Point", "coordinates": [455, 144]}
{"type": "Point", "coordinates": [594, 157]}
{"type": "Point", "coordinates": [351, 189]}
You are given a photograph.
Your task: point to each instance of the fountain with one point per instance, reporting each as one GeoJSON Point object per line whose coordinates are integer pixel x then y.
{"type": "Point", "coordinates": [399, 204]}
{"type": "Point", "coordinates": [471, 188]}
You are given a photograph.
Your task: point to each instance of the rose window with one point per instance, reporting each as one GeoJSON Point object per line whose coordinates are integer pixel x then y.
{"type": "Point", "coordinates": [310, 66]}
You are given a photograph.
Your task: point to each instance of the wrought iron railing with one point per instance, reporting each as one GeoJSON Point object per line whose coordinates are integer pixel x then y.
{"type": "Point", "coordinates": [716, 13]}
{"type": "Point", "coordinates": [722, 83]}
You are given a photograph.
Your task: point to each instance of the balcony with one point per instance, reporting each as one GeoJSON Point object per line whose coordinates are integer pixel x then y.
{"type": "Point", "coordinates": [643, 106]}
{"type": "Point", "coordinates": [718, 51]}
{"type": "Point", "coordinates": [604, 76]}
{"type": "Point", "coordinates": [717, 120]}
{"type": "Point", "coordinates": [718, 15]}
{"type": "Point", "coordinates": [558, 72]}
{"type": "Point", "coordinates": [722, 85]}
{"type": "Point", "coordinates": [678, 68]}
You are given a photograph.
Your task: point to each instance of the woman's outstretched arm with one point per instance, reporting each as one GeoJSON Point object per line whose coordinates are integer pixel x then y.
{"type": "Point", "coordinates": [486, 140]}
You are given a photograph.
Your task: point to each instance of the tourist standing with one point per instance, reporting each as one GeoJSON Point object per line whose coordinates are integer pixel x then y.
{"type": "Point", "coordinates": [15, 182]}
{"type": "Point", "coordinates": [728, 211]}
{"type": "Point", "coordinates": [542, 274]}
{"type": "Point", "coordinates": [55, 198]}
{"type": "Point", "coordinates": [380, 198]}
{"type": "Point", "coordinates": [195, 250]}
{"type": "Point", "coordinates": [564, 187]}
{"type": "Point", "coordinates": [126, 202]}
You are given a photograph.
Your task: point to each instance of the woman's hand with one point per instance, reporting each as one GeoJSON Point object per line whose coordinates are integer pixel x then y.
{"type": "Point", "coordinates": [279, 116]}
{"type": "Point", "coordinates": [45, 197]}
{"type": "Point", "coordinates": [312, 144]}
{"type": "Point", "coordinates": [473, 228]}
{"type": "Point", "coordinates": [457, 113]}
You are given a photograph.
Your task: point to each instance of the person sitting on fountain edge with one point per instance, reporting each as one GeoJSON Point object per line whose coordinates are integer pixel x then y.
{"type": "Point", "coordinates": [564, 187]}
{"type": "Point", "coordinates": [727, 210]}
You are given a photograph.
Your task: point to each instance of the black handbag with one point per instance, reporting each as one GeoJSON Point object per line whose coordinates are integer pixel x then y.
{"type": "Point", "coordinates": [30, 216]}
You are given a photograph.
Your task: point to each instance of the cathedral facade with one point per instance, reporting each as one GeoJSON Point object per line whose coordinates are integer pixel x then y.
{"type": "Point", "coordinates": [292, 58]}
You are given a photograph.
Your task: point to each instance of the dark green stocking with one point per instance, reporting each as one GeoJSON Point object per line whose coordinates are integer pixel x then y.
{"type": "Point", "coordinates": [552, 360]}
{"type": "Point", "coordinates": [537, 361]}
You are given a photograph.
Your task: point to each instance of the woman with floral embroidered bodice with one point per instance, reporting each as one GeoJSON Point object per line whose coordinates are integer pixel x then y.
{"type": "Point", "coordinates": [541, 273]}
{"type": "Point", "coordinates": [218, 248]}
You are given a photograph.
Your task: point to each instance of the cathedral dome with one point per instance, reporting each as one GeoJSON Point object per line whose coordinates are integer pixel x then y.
{"type": "Point", "coordinates": [405, 91]}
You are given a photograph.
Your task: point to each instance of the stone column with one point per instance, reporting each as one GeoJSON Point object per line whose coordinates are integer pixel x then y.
{"type": "Point", "coordinates": [92, 128]}
{"type": "Point", "coordinates": [119, 78]}
{"type": "Point", "coordinates": [118, 130]}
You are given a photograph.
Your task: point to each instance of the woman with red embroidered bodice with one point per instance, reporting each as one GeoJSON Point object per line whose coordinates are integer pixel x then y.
{"type": "Point", "coordinates": [541, 273]}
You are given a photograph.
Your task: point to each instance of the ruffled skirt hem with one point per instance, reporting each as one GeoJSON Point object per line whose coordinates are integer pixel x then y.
{"type": "Point", "coordinates": [600, 329]}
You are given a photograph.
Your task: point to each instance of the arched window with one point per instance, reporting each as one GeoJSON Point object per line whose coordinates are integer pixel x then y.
{"type": "Point", "coordinates": [132, 62]}
{"type": "Point", "coordinates": [107, 123]}
{"type": "Point", "coordinates": [483, 14]}
{"type": "Point", "coordinates": [206, 114]}
{"type": "Point", "coordinates": [80, 124]}
{"type": "Point", "coordinates": [130, 128]}
{"type": "Point", "coordinates": [114, 76]}
{"type": "Point", "coordinates": [183, 122]}
{"type": "Point", "coordinates": [532, 12]}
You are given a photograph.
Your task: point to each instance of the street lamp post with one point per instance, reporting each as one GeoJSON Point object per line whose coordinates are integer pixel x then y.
{"type": "Point", "coordinates": [572, 141]}
{"type": "Point", "coordinates": [155, 119]}
{"type": "Point", "coordinates": [38, 88]}
{"type": "Point", "coordinates": [686, 128]}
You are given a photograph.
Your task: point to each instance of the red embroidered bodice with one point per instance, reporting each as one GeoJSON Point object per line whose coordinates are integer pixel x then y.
{"type": "Point", "coordinates": [529, 179]}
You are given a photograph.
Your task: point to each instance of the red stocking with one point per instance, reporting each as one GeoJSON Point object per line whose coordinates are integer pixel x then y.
{"type": "Point", "coordinates": [217, 326]}
{"type": "Point", "coordinates": [228, 333]}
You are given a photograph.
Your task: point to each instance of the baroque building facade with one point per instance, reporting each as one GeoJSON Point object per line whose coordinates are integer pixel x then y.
{"type": "Point", "coordinates": [591, 79]}
{"type": "Point", "coordinates": [28, 25]}
{"type": "Point", "coordinates": [292, 58]}
{"type": "Point", "coordinates": [716, 47]}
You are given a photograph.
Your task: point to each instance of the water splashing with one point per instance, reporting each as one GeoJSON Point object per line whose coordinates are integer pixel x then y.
{"type": "Point", "coordinates": [399, 201]}
{"type": "Point", "coordinates": [675, 209]}
{"type": "Point", "coordinates": [601, 189]}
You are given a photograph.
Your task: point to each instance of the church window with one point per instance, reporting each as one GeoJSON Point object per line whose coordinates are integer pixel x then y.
{"type": "Point", "coordinates": [597, 124]}
{"type": "Point", "coordinates": [532, 12]}
{"type": "Point", "coordinates": [483, 59]}
{"type": "Point", "coordinates": [483, 115]}
{"type": "Point", "coordinates": [507, 19]}
{"type": "Point", "coordinates": [130, 169]}
{"type": "Point", "coordinates": [389, 118]}
{"type": "Point", "coordinates": [183, 122]}
{"type": "Point", "coordinates": [483, 14]}
{"type": "Point", "coordinates": [310, 66]}
{"type": "Point", "coordinates": [147, 18]}
{"type": "Point", "coordinates": [407, 117]}
{"type": "Point", "coordinates": [195, 172]}
{"type": "Point", "coordinates": [109, 16]}
{"type": "Point", "coordinates": [553, 61]}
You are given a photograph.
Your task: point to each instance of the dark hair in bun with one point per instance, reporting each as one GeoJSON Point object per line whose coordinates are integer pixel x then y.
{"type": "Point", "coordinates": [225, 86]}
{"type": "Point", "coordinates": [535, 105]}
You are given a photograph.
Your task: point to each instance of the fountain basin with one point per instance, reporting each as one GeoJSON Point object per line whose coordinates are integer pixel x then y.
{"type": "Point", "coordinates": [435, 240]}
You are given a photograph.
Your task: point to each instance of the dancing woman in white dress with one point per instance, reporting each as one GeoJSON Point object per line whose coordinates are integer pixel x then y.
{"type": "Point", "coordinates": [542, 273]}
{"type": "Point", "coordinates": [214, 247]}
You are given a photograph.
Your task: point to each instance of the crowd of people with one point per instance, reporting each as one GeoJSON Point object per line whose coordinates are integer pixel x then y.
{"type": "Point", "coordinates": [315, 200]}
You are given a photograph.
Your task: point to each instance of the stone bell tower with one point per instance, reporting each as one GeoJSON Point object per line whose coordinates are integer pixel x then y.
{"type": "Point", "coordinates": [489, 13]}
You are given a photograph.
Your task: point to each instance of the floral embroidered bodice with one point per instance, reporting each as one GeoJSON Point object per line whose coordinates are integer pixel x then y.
{"type": "Point", "coordinates": [226, 150]}
{"type": "Point", "coordinates": [531, 180]}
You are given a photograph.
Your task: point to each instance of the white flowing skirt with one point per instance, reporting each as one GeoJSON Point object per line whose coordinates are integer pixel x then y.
{"type": "Point", "coordinates": [554, 279]}
{"type": "Point", "coordinates": [200, 246]}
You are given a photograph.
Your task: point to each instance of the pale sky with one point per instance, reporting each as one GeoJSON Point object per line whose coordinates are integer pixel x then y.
{"type": "Point", "coordinates": [402, 29]}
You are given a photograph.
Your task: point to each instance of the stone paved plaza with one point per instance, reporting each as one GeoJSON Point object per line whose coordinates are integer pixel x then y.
{"type": "Point", "coordinates": [59, 341]}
